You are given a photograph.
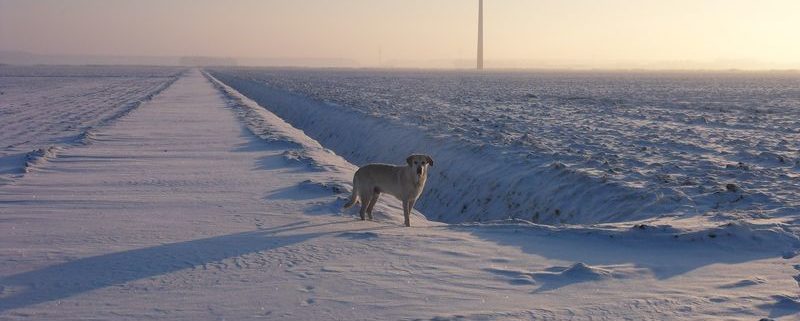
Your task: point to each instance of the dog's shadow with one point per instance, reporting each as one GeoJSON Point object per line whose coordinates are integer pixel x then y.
{"type": "Point", "coordinates": [74, 277]}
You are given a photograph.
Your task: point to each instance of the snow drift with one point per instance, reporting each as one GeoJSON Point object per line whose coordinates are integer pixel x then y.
{"type": "Point", "coordinates": [479, 182]}
{"type": "Point", "coordinates": [468, 183]}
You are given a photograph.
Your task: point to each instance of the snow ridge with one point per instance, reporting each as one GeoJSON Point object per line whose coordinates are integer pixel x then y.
{"type": "Point", "coordinates": [87, 136]}
{"type": "Point", "coordinates": [473, 183]}
{"type": "Point", "coordinates": [481, 184]}
{"type": "Point", "coordinates": [468, 184]}
{"type": "Point", "coordinates": [38, 157]}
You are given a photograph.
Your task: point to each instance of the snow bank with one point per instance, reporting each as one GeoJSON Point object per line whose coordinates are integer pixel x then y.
{"type": "Point", "coordinates": [470, 182]}
{"type": "Point", "coordinates": [486, 182]}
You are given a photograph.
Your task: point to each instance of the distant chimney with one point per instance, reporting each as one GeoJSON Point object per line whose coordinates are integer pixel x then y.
{"type": "Point", "coordinates": [480, 34]}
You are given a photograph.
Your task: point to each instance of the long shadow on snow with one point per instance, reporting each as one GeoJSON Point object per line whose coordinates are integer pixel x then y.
{"type": "Point", "coordinates": [662, 257]}
{"type": "Point", "coordinates": [72, 278]}
{"type": "Point", "coordinates": [272, 161]}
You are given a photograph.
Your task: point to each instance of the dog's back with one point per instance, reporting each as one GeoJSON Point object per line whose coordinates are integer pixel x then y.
{"type": "Point", "coordinates": [384, 177]}
{"type": "Point", "coordinates": [365, 180]}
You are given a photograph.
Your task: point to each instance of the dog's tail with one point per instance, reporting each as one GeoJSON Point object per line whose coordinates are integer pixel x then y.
{"type": "Point", "coordinates": [353, 198]}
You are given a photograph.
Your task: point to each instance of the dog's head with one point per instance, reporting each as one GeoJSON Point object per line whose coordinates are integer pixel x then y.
{"type": "Point", "coordinates": [419, 163]}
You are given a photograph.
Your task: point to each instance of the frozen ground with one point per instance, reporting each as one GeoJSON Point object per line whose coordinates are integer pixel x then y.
{"type": "Point", "coordinates": [45, 108]}
{"type": "Point", "coordinates": [682, 152]}
{"type": "Point", "coordinates": [201, 205]}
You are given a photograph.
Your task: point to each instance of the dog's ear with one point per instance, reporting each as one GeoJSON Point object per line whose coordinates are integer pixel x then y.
{"type": "Point", "coordinates": [430, 160]}
{"type": "Point", "coordinates": [409, 159]}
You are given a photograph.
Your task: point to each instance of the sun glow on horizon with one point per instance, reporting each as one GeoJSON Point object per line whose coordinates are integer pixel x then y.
{"type": "Point", "coordinates": [685, 34]}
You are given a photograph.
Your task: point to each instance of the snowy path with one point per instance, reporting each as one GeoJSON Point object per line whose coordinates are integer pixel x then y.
{"type": "Point", "coordinates": [178, 212]}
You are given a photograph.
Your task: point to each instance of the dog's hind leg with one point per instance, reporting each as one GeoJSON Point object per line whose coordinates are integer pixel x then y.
{"type": "Point", "coordinates": [372, 204]}
{"type": "Point", "coordinates": [366, 199]}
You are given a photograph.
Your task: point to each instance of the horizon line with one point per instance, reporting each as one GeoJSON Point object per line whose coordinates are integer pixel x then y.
{"type": "Point", "coordinates": [349, 63]}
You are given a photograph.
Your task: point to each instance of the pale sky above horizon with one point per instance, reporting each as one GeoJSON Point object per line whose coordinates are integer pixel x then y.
{"type": "Point", "coordinates": [589, 33]}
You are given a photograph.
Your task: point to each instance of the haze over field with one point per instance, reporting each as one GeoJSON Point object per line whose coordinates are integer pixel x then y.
{"type": "Point", "coordinates": [682, 34]}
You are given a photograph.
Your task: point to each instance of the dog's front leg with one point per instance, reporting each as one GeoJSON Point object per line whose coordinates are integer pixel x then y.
{"type": "Point", "coordinates": [411, 204]}
{"type": "Point", "coordinates": [407, 212]}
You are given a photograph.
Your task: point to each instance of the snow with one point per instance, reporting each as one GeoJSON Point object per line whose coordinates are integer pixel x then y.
{"type": "Point", "coordinates": [199, 204]}
{"type": "Point", "coordinates": [43, 108]}
{"type": "Point", "coordinates": [617, 150]}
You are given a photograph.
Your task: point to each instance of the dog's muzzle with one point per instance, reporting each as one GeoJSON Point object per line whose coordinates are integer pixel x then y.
{"type": "Point", "coordinates": [419, 171]}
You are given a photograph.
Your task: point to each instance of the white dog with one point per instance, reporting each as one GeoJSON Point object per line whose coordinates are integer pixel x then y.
{"type": "Point", "coordinates": [404, 182]}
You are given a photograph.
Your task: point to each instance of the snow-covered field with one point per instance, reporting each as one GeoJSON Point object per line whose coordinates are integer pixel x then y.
{"type": "Point", "coordinates": [44, 108]}
{"type": "Point", "coordinates": [683, 151]}
{"type": "Point", "coordinates": [201, 204]}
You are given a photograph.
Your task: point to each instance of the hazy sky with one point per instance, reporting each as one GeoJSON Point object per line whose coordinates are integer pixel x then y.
{"type": "Point", "coordinates": [588, 33]}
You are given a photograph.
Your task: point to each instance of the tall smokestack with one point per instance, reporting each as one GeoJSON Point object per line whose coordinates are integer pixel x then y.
{"type": "Point", "coordinates": [480, 34]}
